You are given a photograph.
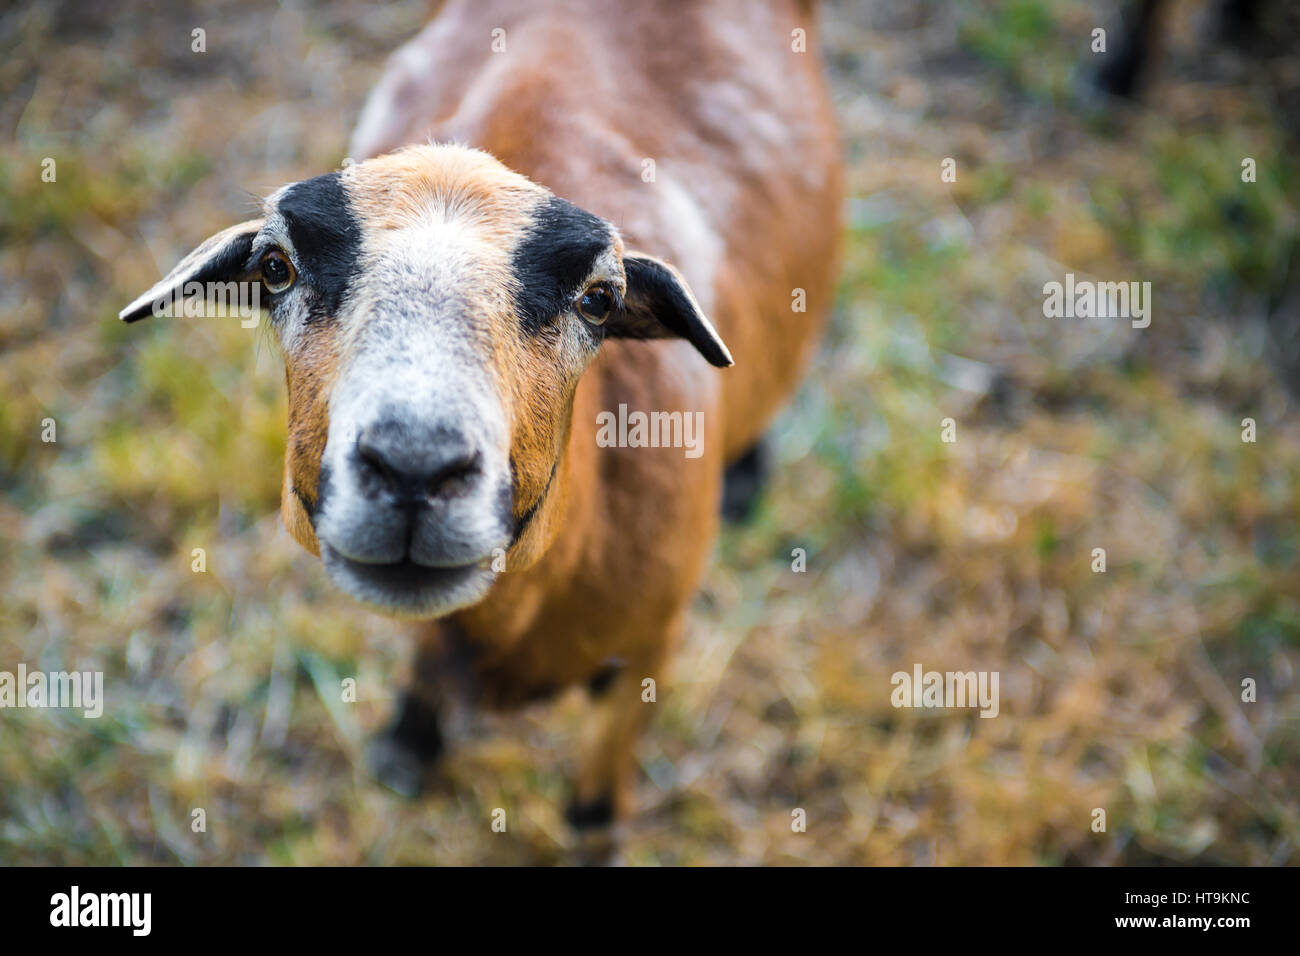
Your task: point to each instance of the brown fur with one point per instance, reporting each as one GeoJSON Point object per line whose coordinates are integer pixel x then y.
{"type": "Point", "coordinates": [309, 379]}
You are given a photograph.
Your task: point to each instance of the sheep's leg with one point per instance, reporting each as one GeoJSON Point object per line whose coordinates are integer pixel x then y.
{"type": "Point", "coordinates": [743, 482]}
{"type": "Point", "coordinates": [401, 756]}
{"type": "Point", "coordinates": [1138, 38]}
{"type": "Point", "coordinates": [603, 788]}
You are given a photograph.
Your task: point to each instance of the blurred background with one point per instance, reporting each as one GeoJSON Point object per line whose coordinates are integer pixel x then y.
{"type": "Point", "coordinates": [1119, 691]}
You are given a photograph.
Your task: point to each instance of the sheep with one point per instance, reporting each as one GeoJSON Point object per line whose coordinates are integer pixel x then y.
{"type": "Point", "coordinates": [531, 237]}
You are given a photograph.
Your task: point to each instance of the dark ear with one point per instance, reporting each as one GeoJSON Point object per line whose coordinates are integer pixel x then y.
{"type": "Point", "coordinates": [659, 305]}
{"type": "Point", "coordinates": [221, 258]}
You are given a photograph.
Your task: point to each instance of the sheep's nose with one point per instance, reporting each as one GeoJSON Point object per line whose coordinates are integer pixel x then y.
{"type": "Point", "coordinates": [415, 463]}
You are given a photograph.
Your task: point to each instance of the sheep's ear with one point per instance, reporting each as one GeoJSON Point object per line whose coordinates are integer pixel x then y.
{"type": "Point", "coordinates": [658, 305]}
{"type": "Point", "coordinates": [221, 258]}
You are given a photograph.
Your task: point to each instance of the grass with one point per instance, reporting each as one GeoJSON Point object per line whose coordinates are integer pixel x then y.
{"type": "Point", "coordinates": [1119, 691]}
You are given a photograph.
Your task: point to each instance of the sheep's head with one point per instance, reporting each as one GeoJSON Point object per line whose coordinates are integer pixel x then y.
{"type": "Point", "coordinates": [435, 311]}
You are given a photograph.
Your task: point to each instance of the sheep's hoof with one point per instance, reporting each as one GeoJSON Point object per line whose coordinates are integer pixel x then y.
{"type": "Point", "coordinates": [401, 756]}
{"type": "Point", "coordinates": [592, 815]}
{"type": "Point", "coordinates": [596, 843]}
{"type": "Point", "coordinates": [394, 766]}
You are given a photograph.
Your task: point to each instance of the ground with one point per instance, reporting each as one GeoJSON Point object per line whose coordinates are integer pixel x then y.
{"type": "Point", "coordinates": [1120, 691]}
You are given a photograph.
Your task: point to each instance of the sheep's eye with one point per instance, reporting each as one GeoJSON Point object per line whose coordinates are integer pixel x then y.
{"type": "Point", "coordinates": [277, 271]}
{"type": "Point", "coordinates": [595, 304]}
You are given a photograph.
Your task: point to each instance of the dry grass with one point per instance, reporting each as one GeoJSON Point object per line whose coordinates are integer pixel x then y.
{"type": "Point", "coordinates": [1118, 690]}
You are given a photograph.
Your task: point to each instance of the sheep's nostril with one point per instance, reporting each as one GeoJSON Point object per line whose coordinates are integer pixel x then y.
{"type": "Point", "coordinates": [415, 463]}
{"type": "Point", "coordinates": [453, 478]}
{"type": "Point", "coordinates": [374, 461]}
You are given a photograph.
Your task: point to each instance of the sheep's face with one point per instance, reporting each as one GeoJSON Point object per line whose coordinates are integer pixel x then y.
{"type": "Point", "coordinates": [429, 388]}
{"type": "Point", "coordinates": [435, 311]}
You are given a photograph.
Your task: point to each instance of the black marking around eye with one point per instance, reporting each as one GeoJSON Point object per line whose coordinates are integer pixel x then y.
{"type": "Point", "coordinates": [325, 233]}
{"type": "Point", "coordinates": [554, 257]}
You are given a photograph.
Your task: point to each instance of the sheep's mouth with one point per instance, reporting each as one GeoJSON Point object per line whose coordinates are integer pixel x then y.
{"type": "Point", "coordinates": [407, 589]}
